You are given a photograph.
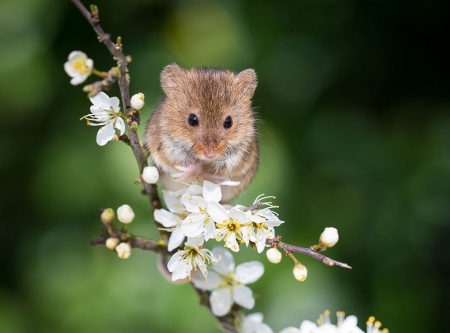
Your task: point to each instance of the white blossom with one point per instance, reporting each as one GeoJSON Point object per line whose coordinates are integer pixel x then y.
{"type": "Point", "coordinates": [344, 325]}
{"type": "Point", "coordinates": [192, 257]}
{"type": "Point", "coordinates": [125, 214]}
{"type": "Point", "coordinates": [172, 223]}
{"type": "Point", "coordinates": [123, 250]}
{"type": "Point", "coordinates": [329, 237]}
{"type": "Point", "coordinates": [137, 101]}
{"type": "Point", "coordinates": [150, 174]}
{"type": "Point", "coordinates": [105, 112]}
{"type": "Point", "coordinates": [229, 225]}
{"type": "Point", "coordinates": [261, 226]}
{"type": "Point", "coordinates": [253, 323]}
{"type": "Point", "coordinates": [201, 202]}
{"type": "Point", "coordinates": [228, 284]}
{"type": "Point", "coordinates": [171, 220]}
{"type": "Point", "coordinates": [78, 67]}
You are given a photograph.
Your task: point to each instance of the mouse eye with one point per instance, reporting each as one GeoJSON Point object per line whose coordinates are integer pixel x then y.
{"type": "Point", "coordinates": [193, 120]}
{"type": "Point", "coordinates": [228, 122]}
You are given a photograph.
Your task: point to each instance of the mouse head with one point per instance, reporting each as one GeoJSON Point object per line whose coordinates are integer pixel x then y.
{"type": "Point", "coordinates": [210, 109]}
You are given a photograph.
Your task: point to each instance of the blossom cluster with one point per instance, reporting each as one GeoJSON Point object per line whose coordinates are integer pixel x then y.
{"type": "Point", "coordinates": [195, 213]}
{"type": "Point", "coordinates": [195, 216]}
{"type": "Point", "coordinates": [344, 325]}
{"type": "Point", "coordinates": [253, 323]}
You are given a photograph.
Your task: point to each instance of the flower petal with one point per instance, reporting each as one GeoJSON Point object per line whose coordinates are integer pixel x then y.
{"type": "Point", "coordinates": [249, 272]}
{"type": "Point", "coordinates": [101, 100]}
{"type": "Point", "coordinates": [211, 191]}
{"type": "Point", "coordinates": [175, 240]}
{"type": "Point", "coordinates": [193, 203]}
{"type": "Point", "coordinates": [105, 134]}
{"type": "Point", "coordinates": [221, 302]}
{"type": "Point", "coordinates": [213, 281]}
{"type": "Point", "coordinates": [78, 79]}
{"type": "Point", "coordinates": [293, 330]}
{"type": "Point", "coordinates": [195, 241]}
{"type": "Point", "coordinates": [238, 215]}
{"type": "Point", "coordinates": [216, 211]}
{"type": "Point", "coordinates": [243, 296]}
{"type": "Point", "coordinates": [226, 261]}
{"type": "Point", "coordinates": [209, 230]}
{"type": "Point", "coordinates": [173, 203]}
{"type": "Point", "coordinates": [256, 317]}
{"type": "Point", "coordinates": [192, 225]}
{"type": "Point", "coordinates": [308, 326]}
{"type": "Point", "coordinates": [115, 103]}
{"type": "Point", "coordinates": [166, 218]}
{"type": "Point", "coordinates": [120, 125]}
{"type": "Point", "coordinates": [75, 55]}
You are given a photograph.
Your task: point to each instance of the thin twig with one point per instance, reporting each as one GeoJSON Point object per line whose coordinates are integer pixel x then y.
{"type": "Point", "coordinates": [307, 251]}
{"type": "Point", "coordinates": [124, 83]}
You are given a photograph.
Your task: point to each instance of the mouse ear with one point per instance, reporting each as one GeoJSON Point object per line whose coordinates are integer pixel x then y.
{"type": "Point", "coordinates": [171, 78]}
{"type": "Point", "coordinates": [246, 82]}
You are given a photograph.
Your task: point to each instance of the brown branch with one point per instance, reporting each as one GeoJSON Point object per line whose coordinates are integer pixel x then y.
{"type": "Point", "coordinates": [124, 83]}
{"type": "Point", "coordinates": [306, 251]}
{"type": "Point", "coordinates": [136, 242]}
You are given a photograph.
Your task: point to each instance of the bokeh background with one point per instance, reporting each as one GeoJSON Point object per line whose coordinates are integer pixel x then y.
{"type": "Point", "coordinates": [354, 116]}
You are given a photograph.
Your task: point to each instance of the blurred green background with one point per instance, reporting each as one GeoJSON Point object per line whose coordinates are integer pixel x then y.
{"type": "Point", "coordinates": [355, 133]}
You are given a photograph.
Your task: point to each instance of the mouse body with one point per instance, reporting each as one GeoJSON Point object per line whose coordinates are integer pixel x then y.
{"type": "Point", "coordinates": [204, 129]}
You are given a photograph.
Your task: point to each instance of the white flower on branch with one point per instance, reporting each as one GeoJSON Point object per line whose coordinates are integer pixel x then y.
{"type": "Point", "coordinates": [228, 284]}
{"type": "Point", "coordinates": [125, 214]}
{"type": "Point", "coordinates": [192, 257]}
{"type": "Point", "coordinates": [229, 225]}
{"type": "Point", "coordinates": [261, 226]}
{"type": "Point", "coordinates": [137, 101]}
{"type": "Point", "coordinates": [253, 323]}
{"type": "Point", "coordinates": [150, 174]}
{"type": "Point", "coordinates": [105, 112]}
{"type": "Point", "coordinates": [78, 67]}
{"type": "Point", "coordinates": [172, 220]}
{"type": "Point", "coordinates": [344, 325]}
{"type": "Point", "coordinates": [123, 250]}
{"type": "Point", "coordinates": [172, 223]}
{"type": "Point", "coordinates": [201, 202]}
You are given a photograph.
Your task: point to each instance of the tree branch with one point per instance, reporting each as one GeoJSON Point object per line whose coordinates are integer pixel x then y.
{"type": "Point", "coordinates": [306, 251]}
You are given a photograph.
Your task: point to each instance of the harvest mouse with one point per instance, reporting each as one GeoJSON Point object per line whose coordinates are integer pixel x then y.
{"type": "Point", "coordinates": [204, 128]}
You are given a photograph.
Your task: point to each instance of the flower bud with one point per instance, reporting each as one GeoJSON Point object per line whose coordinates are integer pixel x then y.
{"type": "Point", "coordinates": [123, 250]}
{"type": "Point", "coordinates": [125, 214]}
{"type": "Point", "coordinates": [150, 174]}
{"type": "Point", "coordinates": [300, 272]}
{"type": "Point", "coordinates": [274, 255]}
{"type": "Point", "coordinates": [107, 216]}
{"type": "Point", "coordinates": [329, 237]}
{"type": "Point", "coordinates": [111, 243]}
{"type": "Point", "coordinates": [137, 101]}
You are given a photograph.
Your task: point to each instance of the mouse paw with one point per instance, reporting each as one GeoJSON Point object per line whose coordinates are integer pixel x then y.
{"type": "Point", "coordinates": [186, 174]}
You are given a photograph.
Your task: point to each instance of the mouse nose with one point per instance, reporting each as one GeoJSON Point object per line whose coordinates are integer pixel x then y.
{"type": "Point", "coordinates": [210, 155]}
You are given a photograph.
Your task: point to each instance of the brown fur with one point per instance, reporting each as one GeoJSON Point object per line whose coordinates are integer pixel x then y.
{"type": "Point", "coordinates": [212, 95]}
